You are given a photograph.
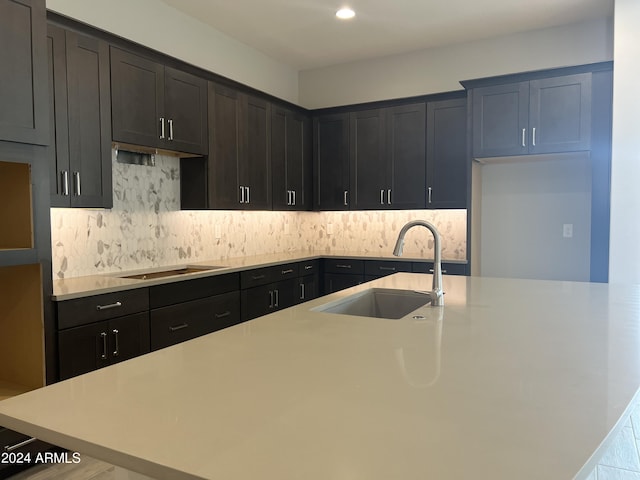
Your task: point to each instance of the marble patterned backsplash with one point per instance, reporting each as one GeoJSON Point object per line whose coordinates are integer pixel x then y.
{"type": "Point", "coordinates": [146, 228]}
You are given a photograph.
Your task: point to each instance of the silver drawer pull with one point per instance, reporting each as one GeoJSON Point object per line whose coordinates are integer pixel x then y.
{"type": "Point", "coordinates": [222, 315]}
{"type": "Point", "coordinates": [11, 448]}
{"type": "Point", "coordinates": [257, 277]}
{"type": "Point", "coordinates": [178, 327]}
{"type": "Point", "coordinates": [431, 270]}
{"type": "Point", "coordinates": [284, 272]}
{"type": "Point", "coordinates": [107, 307]}
{"type": "Point", "coordinates": [302, 291]}
{"type": "Point", "coordinates": [342, 265]}
{"type": "Point", "coordinates": [391, 269]}
{"type": "Point", "coordinates": [308, 267]}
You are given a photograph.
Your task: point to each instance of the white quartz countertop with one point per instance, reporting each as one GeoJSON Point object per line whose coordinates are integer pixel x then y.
{"type": "Point", "coordinates": [511, 379]}
{"type": "Point", "coordinates": [76, 287]}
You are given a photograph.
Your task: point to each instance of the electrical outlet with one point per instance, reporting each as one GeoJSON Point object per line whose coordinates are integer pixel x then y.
{"type": "Point", "coordinates": [567, 230]}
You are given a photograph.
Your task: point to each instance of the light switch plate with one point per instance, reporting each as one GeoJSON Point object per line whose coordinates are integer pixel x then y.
{"type": "Point", "coordinates": [567, 230]}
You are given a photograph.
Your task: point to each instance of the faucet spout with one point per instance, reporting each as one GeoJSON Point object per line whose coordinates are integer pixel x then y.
{"type": "Point", "coordinates": [437, 295]}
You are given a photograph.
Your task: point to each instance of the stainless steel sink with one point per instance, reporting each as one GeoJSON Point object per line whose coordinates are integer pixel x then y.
{"type": "Point", "coordinates": [378, 303]}
{"type": "Point", "coordinates": [169, 273]}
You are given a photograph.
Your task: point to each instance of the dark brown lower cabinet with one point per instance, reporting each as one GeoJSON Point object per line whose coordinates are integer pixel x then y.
{"type": "Point", "coordinates": [89, 347]}
{"type": "Point", "coordinates": [308, 288]}
{"type": "Point", "coordinates": [269, 298]}
{"type": "Point", "coordinates": [20, 452]}
{"type": "Point", "coordinates": [184, 321]}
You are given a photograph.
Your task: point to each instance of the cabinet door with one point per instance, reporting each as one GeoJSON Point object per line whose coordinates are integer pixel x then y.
{"type": "Point", "coordinates": [23, 56]}
{"type": "Point", "coordinates": [58, 149]}
{"type": "Point", "coordinates": [137, 100]}
{"type": "Point", "coordinates": [186, 111]}
{"type": "Point", "coordinates": [331, 162]}
{"type": "Point", "coordinates": [89, 109]}
{"type": "Point", "coordinates": [406, 153]}
{"type": "Point", "coordinates": [290, 160]}
{"type": "Point", "coordinates": [308, 288]}
{"type": "Point", "coordinates": [255, 157]}
{"type": "Point", "coordinates": [334, 282]}
{"type": "Point", "coordinates": [447, 163]}
{"type": "Point", "coordinates": [224, 147]}
{"type": "Point", "coordinates": [560, 114]}
{"type": "Point", "coordinates": [83, 349]}
{"type": "Point", "coordinates": [128, 337]}
{"type": "Point", "coordinates": [369, 165]}
{"type": "Point", "coordinates": [500, 120]}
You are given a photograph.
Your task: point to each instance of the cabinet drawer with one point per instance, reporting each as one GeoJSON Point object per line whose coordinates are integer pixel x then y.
{"type": "Point", "coordinates": [447, 268]}
{"type": "Point", "coordinates": [177, 323]}
{"type": "Point", "coordinates": [334, 282]}
{"type": "Point", "coordinates": [344, 265]}
{"type": "Point", "coordinates": [187, 290]}
{"type": "Point", "coordinates": [381, 268]}
{"type": "Point", "coordinates": [263, 276]}
{"type": "Point", "coordinates": [20, 444]}
{"type": "Point", "coordinates": [82, 311]}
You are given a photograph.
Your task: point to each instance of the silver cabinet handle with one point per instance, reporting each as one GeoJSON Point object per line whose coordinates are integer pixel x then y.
{"type": "Point", "coordinates": [104, 345]}
{"type": "Point", "coordinates": [381, 197]}
{"type": "Point", "coordinates": [308, 267]}
{"type": "Point", "coordinates": [24, 443]}
{"type": "Point", "coordinates": [107, 307]}
{"type": "Point", "coordinates": [65, 182]}
{"type": "Point", "coordinates": [116, 339]}
{"type": "Point", "coordinates": [257, 277]}
{"type": "Point", "coordinates": [302, 291]}
{"type": "Point", "coordinates": [248, 192]}
{"type": "Point", "coordinates": [170, 122]}
{"type": "Point", "coordinates": [241, 194]}
{"type": "Point", "coordinates": [277, 297]}
{"type": "Point", "coordinates": [161, 128]}
{"type": "Point", "coordinates": [524, 137]}
{"type": "Point", "coordinates": [429, 195]}
{"type": "Point", "coordinates": [431, 271]}
{"type": "Point", "coordinates": [389, 197]}
{"type": "Point", "coordinates": [346, 203]}
{"type": "Point", "coordinates": [76, 178]}
{"type": "Point", "coordinates": [270, 298]}
{"type": "Point", "coordinates": [175, 328]}
{"type": "Point", "coordinates": [389, 269]}
{"type": "Point", "coordinates": [288, 197]}
{"type": "Point", "coordinates": [294, 197]}
{"type": "Point", "coordinates": [284, 272]}
{"type": "Point", "coordinates": [533, 140]}
{"type": "Point", "coordinates": [342, 265]}
{"type": "Point", "coordinates": [222, 315]}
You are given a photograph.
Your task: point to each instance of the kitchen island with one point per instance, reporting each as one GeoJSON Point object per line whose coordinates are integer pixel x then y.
{"type": "Point", "coordinates": [511, 379]}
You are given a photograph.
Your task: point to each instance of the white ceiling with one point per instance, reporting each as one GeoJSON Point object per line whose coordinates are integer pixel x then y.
{"type": "Point", "coordinates": [305, 33]}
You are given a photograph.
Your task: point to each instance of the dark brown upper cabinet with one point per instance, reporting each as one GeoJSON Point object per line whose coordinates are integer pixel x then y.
{"type": "Point", "coordinates": [548, 115]}
{"type": "Point", "coordinates": [80, 120]}
{"type": "Point", "coordinates": [331, 162]}
{"type": "Point", "coordinates": [157, 106]}
{"type": "Point", "coordinates": [290, 160]}
{"type": "Point", "coordinates": [239, 164]}
{"type": "Point", "coordinates": [23, 76]}
{"type": "Point", "coordinates": [388, 157]}
{"type": "Point", "coordinates": [447, 162]}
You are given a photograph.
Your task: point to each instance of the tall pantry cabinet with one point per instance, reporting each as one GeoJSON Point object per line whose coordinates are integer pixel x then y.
{"type": "Point", "coordinates": [26, 340]}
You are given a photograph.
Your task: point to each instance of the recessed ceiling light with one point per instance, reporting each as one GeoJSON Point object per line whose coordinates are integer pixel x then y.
{"type": "Point", "coordinates": [345, 13]}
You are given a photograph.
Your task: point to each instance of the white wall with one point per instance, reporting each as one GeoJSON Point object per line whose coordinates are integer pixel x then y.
{"type": "Point", "coordinates": [156, 25]}
{"type": "Point", "coordinates": [524, 206]}
{"type": "Point", "coordinates": [440, 69]}
{"type": "Point", "coordinates": [624, 263]}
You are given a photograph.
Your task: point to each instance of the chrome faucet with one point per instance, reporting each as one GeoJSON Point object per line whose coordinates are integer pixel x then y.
{"type": "Point", "coordinates": [437, 295]}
